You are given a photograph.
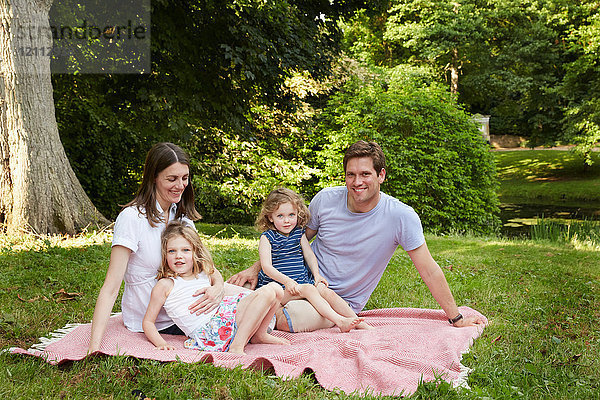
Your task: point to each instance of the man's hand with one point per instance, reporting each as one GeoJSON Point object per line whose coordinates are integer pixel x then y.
{"type": "Point", "coordinates": [210, 299]}
{"type": "Point", "coordinates": [469, 321]}
{"type": "Point", "coordinates": [247, 276]}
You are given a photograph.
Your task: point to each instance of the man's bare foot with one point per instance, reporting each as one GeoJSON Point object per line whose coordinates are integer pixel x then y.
{"type": "Point", "coordinates": [267, 338]}
{"type": "Point", "coordinates": [346, 324]}
{"type": "Point", "coordinates": [364, 325]}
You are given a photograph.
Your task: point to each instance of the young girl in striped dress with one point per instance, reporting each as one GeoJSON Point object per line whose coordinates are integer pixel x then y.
{"type": "Point", "coordinates": [286, 257]}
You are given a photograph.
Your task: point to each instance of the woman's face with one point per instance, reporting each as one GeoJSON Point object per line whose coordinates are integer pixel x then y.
{"type": "Point", "coordinates": [170, 184]}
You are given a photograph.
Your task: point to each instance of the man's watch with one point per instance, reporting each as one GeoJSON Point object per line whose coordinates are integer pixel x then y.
{"type": "Point", "coordinates": [455, 319]}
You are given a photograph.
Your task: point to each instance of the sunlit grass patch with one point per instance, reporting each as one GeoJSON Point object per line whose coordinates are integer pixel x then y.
{"type": "Point", "coordinates": [547, 176]}
{"type": "Point", "coordinates": [32, 242]}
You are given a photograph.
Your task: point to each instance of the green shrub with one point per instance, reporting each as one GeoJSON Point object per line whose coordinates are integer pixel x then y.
{"type": "Point", "coordinates": [437, 161]}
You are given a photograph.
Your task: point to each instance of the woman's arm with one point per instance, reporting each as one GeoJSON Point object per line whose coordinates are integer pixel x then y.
{"type": "Point", "coordinates": [157, 299]}
{"type": "Point", "coordinates": [212, 295]}
{"type": "Point", "coordinates": [311, 260]}
{"type": "Point", "coordinates": [264, 252]}
{"type": "Point", "coordinates": [119, 257]}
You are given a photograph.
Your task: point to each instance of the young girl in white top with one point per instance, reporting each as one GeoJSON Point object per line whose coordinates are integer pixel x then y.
{"type": "Point", "coordinates": [285, 254]}
{"type": "Point", "coordinates": [187, 266]}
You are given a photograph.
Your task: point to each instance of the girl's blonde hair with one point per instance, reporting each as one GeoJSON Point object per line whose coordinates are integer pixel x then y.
{"type": "Point", "coordinates": [201, 256]}
{"type": "Point", "coordinates": [276, 198]}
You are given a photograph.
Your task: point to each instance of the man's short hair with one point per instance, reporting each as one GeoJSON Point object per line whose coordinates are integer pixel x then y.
{"type": "Point", "coordinates": [366, 149]}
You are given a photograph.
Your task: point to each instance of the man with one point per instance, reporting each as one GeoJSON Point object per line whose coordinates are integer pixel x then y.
{"type": "Point", "coordinates": [357, 229]}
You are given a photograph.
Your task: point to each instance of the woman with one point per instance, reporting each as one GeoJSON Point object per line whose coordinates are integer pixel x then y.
{"type": "Point", "coordinates": [165, 195]}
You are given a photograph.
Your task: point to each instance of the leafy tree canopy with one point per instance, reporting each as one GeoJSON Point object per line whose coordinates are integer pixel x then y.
{"type": "Point", "coordinates": [515, 60]}
{"type": "Point", "coordinates": [216, 68]}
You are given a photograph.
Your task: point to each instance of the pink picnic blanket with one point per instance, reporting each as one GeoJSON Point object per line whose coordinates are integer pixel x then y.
{"type": "Point", "coordinates": [407, 345]}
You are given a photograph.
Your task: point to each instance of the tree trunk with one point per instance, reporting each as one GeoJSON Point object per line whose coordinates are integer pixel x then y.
{"type": "Point", "coordinates": [454, 72]}
{"type": "Point", "coordinates": [39, 191]}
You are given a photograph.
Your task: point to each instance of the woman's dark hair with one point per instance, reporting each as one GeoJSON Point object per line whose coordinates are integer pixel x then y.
{"type": "Point", "coordinates": [161, 156]}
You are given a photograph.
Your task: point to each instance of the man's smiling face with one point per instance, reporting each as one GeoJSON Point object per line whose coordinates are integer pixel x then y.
{"type": "Point", "coordinates": [363, 184]}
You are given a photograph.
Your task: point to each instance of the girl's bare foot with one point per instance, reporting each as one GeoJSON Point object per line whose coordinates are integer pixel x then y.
{"type": "Point", "coordinates": [267, 338]}
{"type": "Point", "coordinates": [346, 324]}
{"type": "Point", "coordinates": [364, 325]}
{"type": "Point", "coordinates": [236, 350]}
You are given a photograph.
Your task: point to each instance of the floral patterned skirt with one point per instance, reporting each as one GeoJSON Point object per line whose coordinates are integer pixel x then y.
{"type": "Point", "coordinates": [218, 333]}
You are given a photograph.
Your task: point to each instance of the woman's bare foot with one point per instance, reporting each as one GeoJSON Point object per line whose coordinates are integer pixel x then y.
{"type": "Point", "coordinates": [267, 338]}
{"type": "Point", "coordinates": [346, 324]}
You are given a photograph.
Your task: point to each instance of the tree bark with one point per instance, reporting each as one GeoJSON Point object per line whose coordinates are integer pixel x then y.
{"type": "Point", "coordinates": [454, 73]}
{"type": "Point", "coordinates": [39, 191]}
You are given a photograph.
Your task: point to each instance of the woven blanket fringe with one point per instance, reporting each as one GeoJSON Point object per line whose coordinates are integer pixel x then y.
{"type": "Point", "coordinates": [461, 381]}
{"type": "Point", "coordinates": [55, 336]}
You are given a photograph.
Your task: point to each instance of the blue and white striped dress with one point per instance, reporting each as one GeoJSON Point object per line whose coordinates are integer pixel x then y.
{"type": "Point", "coordinates": [286, 256]}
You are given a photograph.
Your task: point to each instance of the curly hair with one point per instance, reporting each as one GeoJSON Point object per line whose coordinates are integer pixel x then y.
{"type": "Point", "coordinates": [201, 256]}
{"type": "Point", "coordinates": [276, 198]}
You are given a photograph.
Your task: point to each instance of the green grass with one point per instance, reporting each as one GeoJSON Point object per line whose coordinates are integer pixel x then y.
{"type": "Point", "coordinates": [547, 177]}
{"type": "Point", "coordinates": [542, 300]}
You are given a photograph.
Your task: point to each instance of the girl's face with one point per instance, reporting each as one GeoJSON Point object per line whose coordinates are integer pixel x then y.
{"type": "Point", "coordinates": [180, 257]}
{"type": "Point", "coordinates": [170, 184]}
{"type": "Point", "coordinates": [285, 218]}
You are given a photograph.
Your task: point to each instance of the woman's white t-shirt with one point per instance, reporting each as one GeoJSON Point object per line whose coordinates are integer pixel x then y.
{"type": "Point", "coordinates": [133, 231]}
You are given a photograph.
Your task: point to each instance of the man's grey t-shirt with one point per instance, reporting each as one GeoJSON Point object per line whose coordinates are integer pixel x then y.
{"type": "Point", "coordinates": [353, 249]}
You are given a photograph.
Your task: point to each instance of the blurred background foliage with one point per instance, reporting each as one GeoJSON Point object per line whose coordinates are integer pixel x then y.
{"type": "Point", "coordinates": [270, 93]}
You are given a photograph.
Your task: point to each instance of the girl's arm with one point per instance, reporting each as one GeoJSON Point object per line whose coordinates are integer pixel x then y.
{"type": "Point", "coordinates": [211, 296]}
{"type": "Point", "coordinates": [311, 260]}
{"type": "Point", "coordinates": [264, 252]}
{"type": "Point", "coordinates": [157, 299]}
{"type": "Point", "coordinates": [119, 257]}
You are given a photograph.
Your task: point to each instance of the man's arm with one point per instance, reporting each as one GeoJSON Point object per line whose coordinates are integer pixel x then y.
{"type": "Point", "coordinates": [434, 278]}
{"type": "Point", "coordinates": [249, 275]}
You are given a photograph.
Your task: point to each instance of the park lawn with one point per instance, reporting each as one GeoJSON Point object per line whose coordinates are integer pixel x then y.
{"type": "Point", "coordinates": [542, 300]}
{"type": "Point", "coordinates": [547, 177]}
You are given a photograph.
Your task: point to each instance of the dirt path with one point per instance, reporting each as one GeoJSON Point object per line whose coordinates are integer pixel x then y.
{"type": "Point", "coordinates": [529, 148]}
{"type": "Point", "coordinates": [512, 143]}
{"type": "Point", "coordinates": [564, 148]}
